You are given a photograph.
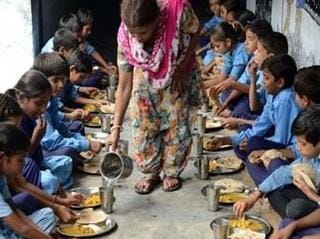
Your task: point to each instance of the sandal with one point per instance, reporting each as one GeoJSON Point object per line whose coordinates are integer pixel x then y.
{"type": "Point", "coordinates": [175, 187]}
{"type": "Point", "coordinates": [148, 184]}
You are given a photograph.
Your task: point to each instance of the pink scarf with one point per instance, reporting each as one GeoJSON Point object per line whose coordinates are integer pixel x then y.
{"type": "Point", "coordinates": [161, 62]}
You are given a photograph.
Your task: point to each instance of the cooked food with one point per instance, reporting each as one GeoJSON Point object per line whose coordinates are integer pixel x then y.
{"type": "Point", "coordinates": [209, 143]}
{"type": "Point", "coordinates": [91, 168]}
{"type": "Point", "coordinates": [98, 95]}
{"type": "Point", "coordinates": [229, 185]}
{"type": "Point", "coordinates": [246, 234]}
{"type": "Point", "coordinates": [108, 108]}
{"type": "Point", "coordinates": [212, 123]}
{"type": "Point", "coordinates": [307, 172]}
{"type": "Point", "coordinates": [230, 162]}
{"type": "Point", "coordinates": [92, 200]}
{"type": "Point", "coordinates": [77, 230]}
{"type": "Point", "coordinates": [94, 121]}
{"type": "Point", "coordinates": [232, 197]}
{"type": "Point", "coordinates": [90, 108]}
{"type": "Point", "coordinates": [271, 154]}
{"type": "Point", "coordinates": [244, 223]}
{"type": "Point", "coordinates": [88, 155]}
{"type": "Point", "coordinates": [90, 216]}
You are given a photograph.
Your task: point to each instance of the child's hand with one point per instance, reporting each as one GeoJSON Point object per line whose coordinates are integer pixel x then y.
{"type": "Point", "coordinates": [40, 129]}
{"type": "Point", "coordinates": [73, 199]}
{"type": "Point", "coordinates": [255, 156]}
{"type": "Point", "coordinates": [300, 183]}
{"type": "Point", "coordinates": [65, 214]}
{"type": "Point", "coordinates": [243, 144]}
{"type": "Point", "coordinates": [77, 114]}
{"type": "Point", "coordinates": [95, 146]}
{"type": "Point", "coordinates": [240, 207]}
{"type": "Point", "coordinates": [224, 85]}
{"type": "Point", "coordinates": [89, 90]}
{"type": "Point", "coordinates": [231, 123]}
{"type": "Point", "coordinates": [253, 68]}
{"type": "Point", "coordinates": [284, 233]}
{"type": "Point", "coordinates": [111, 69]}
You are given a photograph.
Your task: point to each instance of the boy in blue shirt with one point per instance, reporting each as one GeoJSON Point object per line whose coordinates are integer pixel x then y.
{"type": "Point", "coordinates": [86, 19]}
{"type": "Point", "coordinates": [13, 223]}
{"type": "Point", "coordinates": [292, 197]}
{"type": "Point", "coordinates": [279, 111]}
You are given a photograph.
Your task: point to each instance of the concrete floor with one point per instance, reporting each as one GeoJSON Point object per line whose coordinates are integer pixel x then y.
{"type": "Point", "coordinates": [162, 215]}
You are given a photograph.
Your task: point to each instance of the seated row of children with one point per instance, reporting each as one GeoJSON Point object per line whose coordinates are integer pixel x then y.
{"type": "Point", "coordinates": [257, 90]}
{"type": "Point", "coordinates": [36, 164]}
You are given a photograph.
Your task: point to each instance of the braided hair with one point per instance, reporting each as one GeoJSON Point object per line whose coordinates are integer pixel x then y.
{"type": "Point", "coordinates": [9, 108]}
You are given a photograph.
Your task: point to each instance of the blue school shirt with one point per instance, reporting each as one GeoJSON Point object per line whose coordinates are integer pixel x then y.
{"type": "Point", "coordinates": [69, 93]}
{"type": "Point", "coordinates": [283, 175]}
{"type": "Point", "coordinates": [5, 196]}
{"type": "Point", "coordinates": [245, 80]}
{"type": "Point", "coordinates": [209, 57]}
{"type": "Point", "coordinates": [280, 112]}
{"type": "Point", "coordinates": [209, 25]}
{"type": "Point", "coordinates": [240, 59]}
{"type": "Point", "coordinates": [89, 48]}
{"type": "Point", "coordinates": [48, 47]}
{"type": "Point", "coordinates": [225, 67]}
{"type": "Point", "coordinates": [57, 134]}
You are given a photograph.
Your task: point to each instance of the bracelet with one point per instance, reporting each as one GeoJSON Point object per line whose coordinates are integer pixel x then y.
{"type": "Point", "coordinates": [116, 127]}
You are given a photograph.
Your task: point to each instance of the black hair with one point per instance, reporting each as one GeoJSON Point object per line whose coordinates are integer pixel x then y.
{"type": "Point", "coordinates": [51, 64]}
{"type": "Point", "coordinates": [32, 84]}
{"type": "Point", "coordinates": [12, 139]}
{"type": "Point", "coordinates": [138, 13]}
{"type": "Point", "coordinates": [275, 42]}
{"type": "Point", "coordinates": [243, 19]}
{"type": "Point", "coordinates": [9, 107]}
{"type": "Point", "coordinates": [307, 83]}
{"type": "Point", "coordinates": [64, 38]}
{"type": "Point", "coordinates": [231, 5]}
{"type": "Point", "coordinates": [81, 61]}
{"type": "Point", "coordinates": [85, 16]}
{"type": "Point", "coordinates": [224, 31]}
{"type": "Point", "coordinates": [260, 27]}
{"type": "Point", "coordinates": [281, 66]}
{"type": "Point", "coordinates": [71, 22]}
{"type": "Point", "coordinates": [307, 124]}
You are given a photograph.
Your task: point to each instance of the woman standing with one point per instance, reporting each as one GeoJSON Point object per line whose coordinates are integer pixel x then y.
{"type": "Point", "coordinates": [156, 42]}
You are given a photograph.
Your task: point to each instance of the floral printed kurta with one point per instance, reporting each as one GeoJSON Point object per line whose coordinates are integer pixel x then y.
{"type": "Point", "coordinates": [160, 118]}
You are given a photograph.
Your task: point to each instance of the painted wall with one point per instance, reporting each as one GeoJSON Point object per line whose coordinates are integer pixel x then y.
{"type": "Point", "coordinates": [301, 29]}
{"type": "Point", "coordinates": [16, 52]}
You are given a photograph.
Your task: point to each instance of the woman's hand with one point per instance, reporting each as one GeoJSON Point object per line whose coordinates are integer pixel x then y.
{"type": "Point", "coordinates": [77, 114]}
{"type": "Point", "coordinates": [114, 138]}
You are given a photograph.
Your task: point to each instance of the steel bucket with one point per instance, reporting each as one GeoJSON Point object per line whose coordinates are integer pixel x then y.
{"type": "Point", "coordinates": [115, 165]}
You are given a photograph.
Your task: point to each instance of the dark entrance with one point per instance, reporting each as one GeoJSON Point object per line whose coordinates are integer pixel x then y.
{"type": "Point", "coordinates": [46, 15]}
